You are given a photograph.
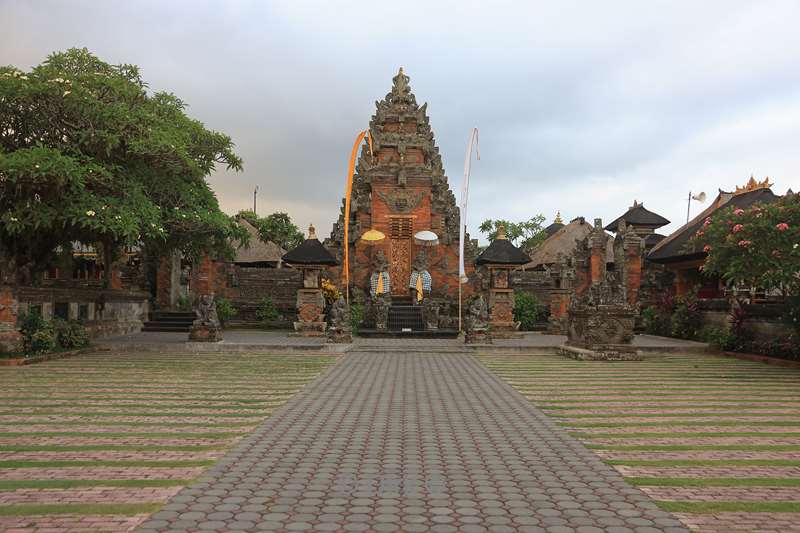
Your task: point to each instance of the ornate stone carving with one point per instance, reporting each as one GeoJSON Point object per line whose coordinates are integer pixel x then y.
{"type": "Point", "coordinates": [476, 323]}
{"type": "Point", "coordinates": [206, 327]}
{"type": "Point", "coordinates": [339, 327]}
{"type": "Point", "coordinates": [402, 200]}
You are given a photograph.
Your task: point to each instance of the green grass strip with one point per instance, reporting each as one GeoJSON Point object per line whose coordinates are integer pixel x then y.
{"type": "Point", "coordinates": [712, 482]}
{"type": "Point", "coordinates": [36, 509]}
{"type": "Point", "coordinates": [697, 448]}
{"type": "Point", "coordinates": [729, 507]}
{"type": "Point", "coordinates": [690, 423]}
{"type": "Point", "coordinates": [14, 484]}
{"type": "Point", "coordinates": [66, 464]}
{"type": "Point", "coordinates": [682, 435]}
{"type": "Point", "coordinates": [114, 435]}
{"type": "Point", "coordinates": [674, 415]}
{"type": "Point", "coordinates": [656, 463]}
{"type": "Point", "coordinates": [125, 414]}
{"type": "Point", "coordinates": [108, 447]}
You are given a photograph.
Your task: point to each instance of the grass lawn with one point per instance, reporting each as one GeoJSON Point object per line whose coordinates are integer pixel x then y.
{"type": "Point", "coordinates": [714, 440]}
{"type": "Point", "coordinates": [110, 436]}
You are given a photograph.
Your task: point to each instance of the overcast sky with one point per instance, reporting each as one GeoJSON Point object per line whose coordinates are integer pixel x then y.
{"type": "Point", "coordinates": [582, 106]}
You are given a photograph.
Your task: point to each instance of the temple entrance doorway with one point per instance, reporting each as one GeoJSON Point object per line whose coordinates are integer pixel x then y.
{"type": "Point", "coordinates": [401, 229]}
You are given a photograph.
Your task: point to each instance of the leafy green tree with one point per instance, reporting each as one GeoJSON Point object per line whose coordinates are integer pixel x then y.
{"type": "Point", "coordinates": [758, 246]}
{"type": "Point", "coordinates": [277, 227]}
{"type": "Point", "coordinates": [88, 154]}
{"type": "Point", "coordinates": [527, 234]}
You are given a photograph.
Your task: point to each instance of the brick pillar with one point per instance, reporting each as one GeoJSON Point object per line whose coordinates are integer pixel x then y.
{"type": "Point", "coordinates": [10, 337]}
{"type": "Point", "coordinates": [206, 277]}
{"type": "Point", "coordinates": [597, 246]}
{"type": "Point", "coordinates": [633, 246]}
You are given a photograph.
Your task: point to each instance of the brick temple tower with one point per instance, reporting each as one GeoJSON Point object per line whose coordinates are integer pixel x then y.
{"type": "Point", "coordinates": [400, 189]}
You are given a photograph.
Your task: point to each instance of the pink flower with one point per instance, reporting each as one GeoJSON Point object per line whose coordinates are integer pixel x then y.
{"type": "Point", "coordinates": [707, 222]}
{"type": "Point", "coordinates": [745, 243]}
{"type": "Point", "coordinates": [776, 253]}
{"type": "Point", "coordinates": [699, 233]}
{"type": "Point", "coordinates": [706, 248]}
{"type": "Point", "coordinates": [701, 268]}
{"type": "Point", "coordinates": [738, 212]}
{"type": "Point", "coordinates": [737, 228]}
{"type": "Point", "coordinates": [783, 226]}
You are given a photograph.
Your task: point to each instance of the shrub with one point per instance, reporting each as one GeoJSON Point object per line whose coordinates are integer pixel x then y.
{"type": "Point", "coordinates": [225, 310]}
{"type": "Point", "coordinates": [70, 334]}
{"type": "Point", "coordinates": [719, 338]}
{"type": "Point", "coordinates": [42, 341]}
{"type": "Point", "coordinates": [356, 317]}
{"type": "Point", "coordinates": [654, 322]}
{"type": "Point", "coordinates": [685, 322]}
{"type": "Point", "coordinates": [183, 303]}
{"type": "Point", "coordinates": [330, 291]}
{"type": "Point", "coordinates": [267, 312]}
{"type": "Point", "coordinates": [791, 313]}
{"type": "Point", "coordinates": [527, 310]}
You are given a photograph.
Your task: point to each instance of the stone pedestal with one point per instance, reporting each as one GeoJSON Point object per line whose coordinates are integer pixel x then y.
{"type": "Point", "coordinates": [310, 316]}
{"type": "Point", "coordinates": [477, 336]}
{"type": "Point", "coordinates": [205, 333]}
{"type": "Point", "coordinates": [501, 314]}
{"type": "Point", "coordinates": [601, 332]}
{"type": "Point", "coordinates": [559, 306]}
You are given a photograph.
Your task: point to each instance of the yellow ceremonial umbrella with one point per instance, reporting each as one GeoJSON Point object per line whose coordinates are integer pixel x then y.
{"type": "Point", "coordinates": [372, 237]}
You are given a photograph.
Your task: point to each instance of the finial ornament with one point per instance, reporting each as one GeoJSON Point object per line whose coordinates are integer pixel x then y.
{"type": "Point", "coordinates": [558, 218]}
{"type": "Point", "coordinates": [501, 233]}
{"type": "Point", "coordinates": [752, 185]}
{"type": "Point", "coordinates": [312, 233]}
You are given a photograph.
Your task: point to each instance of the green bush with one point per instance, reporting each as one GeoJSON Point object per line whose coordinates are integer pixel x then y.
{"type": "Point", "coordinates": [42, 341]}
{"type": "Point", "coordinates": [356, 317]}
{"type": "Point", "coordinates": [183, 303]}
{"type": "Point", "coordinates": [791, 313]}
{"type": "Point", "coordinates": [719, 338]}
{"type": "Point", "coordinates": [267, 311]}
{"type": "Point", "coordinates": [654, 322]}
{"type": "Point", "coordinates": [685, 322]}
{"type": "Point", "coordinates": [70, 334]}
{"type": "Point", "coordinates": [527, 310]}
{"type": "Point", "coordinates": [225, 310]}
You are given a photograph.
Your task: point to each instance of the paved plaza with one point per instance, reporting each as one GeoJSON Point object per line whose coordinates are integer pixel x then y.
{"type": "Point", "coordinates": [411, 442]}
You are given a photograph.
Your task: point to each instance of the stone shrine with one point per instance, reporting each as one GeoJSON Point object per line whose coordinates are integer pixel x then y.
{"type": "Point", "coordinates": [399, 189]}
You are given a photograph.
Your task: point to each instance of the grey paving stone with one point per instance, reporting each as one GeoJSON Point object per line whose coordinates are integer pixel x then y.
{"type": "Point", "coordinates": [389, 441]}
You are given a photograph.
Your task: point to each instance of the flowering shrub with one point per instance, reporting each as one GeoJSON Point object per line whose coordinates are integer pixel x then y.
{"type": "Point", "coordinates": [330, 291]}
{"type": "Point", "coordinates": [758, 246]}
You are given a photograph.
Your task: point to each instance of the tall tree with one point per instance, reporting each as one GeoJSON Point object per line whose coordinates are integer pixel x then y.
{"type": "Point", "coordinates": [527, 234]}
{"type": "Point", "coordinates": [277, 227]}
{"type": "Point", "coordinates": [88, 154]}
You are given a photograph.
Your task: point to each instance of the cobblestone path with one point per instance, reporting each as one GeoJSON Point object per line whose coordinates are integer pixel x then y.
{"type": "Point", "coordinates": [411, 442]}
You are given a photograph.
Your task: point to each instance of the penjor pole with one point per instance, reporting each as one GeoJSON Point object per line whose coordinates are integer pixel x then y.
{"type": "Point", "coordinates": [348, 192]}
{"type": "Point", "coordinates": [462, 274]}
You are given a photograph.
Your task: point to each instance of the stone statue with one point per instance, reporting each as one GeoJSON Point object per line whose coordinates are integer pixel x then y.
{"type": "Point", "coordinates": [206, 327]}
{"type": "Point", "coordinates": [476, 323]}
{"type": "Point", "coordinates": [339, 326]}
{"type": "Point", "coordinates": [419, 285]}
{"type": "Point", "coordinates": [380, 282]}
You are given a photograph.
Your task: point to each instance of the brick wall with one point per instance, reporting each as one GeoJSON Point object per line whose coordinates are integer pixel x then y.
{"type": "Point", "coordinates": [247, 287]}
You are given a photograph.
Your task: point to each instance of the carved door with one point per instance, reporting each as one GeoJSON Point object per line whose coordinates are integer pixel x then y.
{"type": "Point", "coordinates": [400, 232]}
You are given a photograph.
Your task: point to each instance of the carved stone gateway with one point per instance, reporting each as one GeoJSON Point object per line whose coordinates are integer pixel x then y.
{"type": "Point", "coordinates": [601, 319]}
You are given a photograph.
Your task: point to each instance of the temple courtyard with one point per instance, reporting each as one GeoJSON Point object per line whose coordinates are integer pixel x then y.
{"type": "Point", "coordinates": [389, 435]}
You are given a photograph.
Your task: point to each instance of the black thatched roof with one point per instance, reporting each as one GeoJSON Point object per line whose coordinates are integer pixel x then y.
{"type": "Point", "coordinates": [311, 252]}
{"type": "Point", "coordinates": [502, 252]}
{"type": "Point", "coordinates": [653, 239]}
{"type": "Point", "coordinates": [676, 247]}
{"type": "Point", "coordinates": [639, 216]}
{"type": "Point", "coordinates": [553, 228]}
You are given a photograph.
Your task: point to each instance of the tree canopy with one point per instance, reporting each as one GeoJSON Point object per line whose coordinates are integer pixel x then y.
{"type": "Point", "coordinates": [758, 246]}
{"type": "Point", "coordinates": [277, 227]}
{"type": "Point", "coordinates": [88, 154]}
{"type": "Point", "coordinates": [526, 235]}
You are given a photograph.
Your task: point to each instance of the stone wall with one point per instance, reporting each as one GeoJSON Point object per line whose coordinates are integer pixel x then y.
{"type": "Point", "coordinates": [105, 312]}
{"type": "Point", "coordinates": [247, 287]}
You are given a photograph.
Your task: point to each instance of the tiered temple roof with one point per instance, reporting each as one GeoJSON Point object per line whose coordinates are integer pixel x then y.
{"type": "Point", "coordinates": [638, 216]}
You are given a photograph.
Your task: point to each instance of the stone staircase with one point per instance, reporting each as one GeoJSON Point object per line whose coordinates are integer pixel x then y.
{"type": "Point", "coordinates": [175, 321]}
{"type": "Point", "coordinates": [405, 317]}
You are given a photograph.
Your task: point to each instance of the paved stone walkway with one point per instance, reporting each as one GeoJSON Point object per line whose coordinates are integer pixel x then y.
{"type": "Point", "coordinates": [411, 442]}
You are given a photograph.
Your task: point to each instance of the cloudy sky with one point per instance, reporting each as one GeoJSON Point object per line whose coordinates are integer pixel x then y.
{"type": "Point", "coordinates": [582, 106]}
